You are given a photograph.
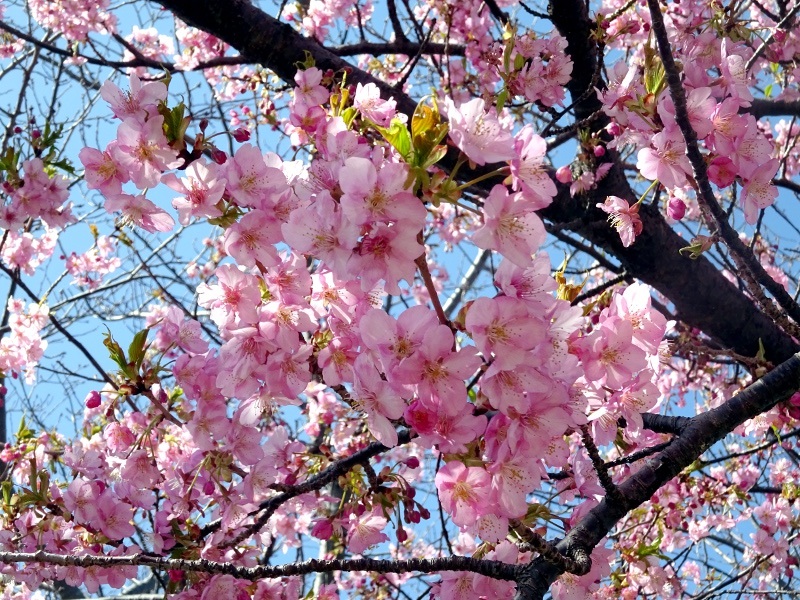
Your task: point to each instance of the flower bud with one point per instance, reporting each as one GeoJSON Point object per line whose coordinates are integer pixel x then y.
{"type": "Point", "coordinates": [676, 209]}
{"type": "Point", "coordinates": [218, 156]}
{"type": "Point", "coordinates": [92, 399]}
{"type": "Point", "coordinates": [242, 134]}
{"type": "Point", "coordinates": [564, 174]}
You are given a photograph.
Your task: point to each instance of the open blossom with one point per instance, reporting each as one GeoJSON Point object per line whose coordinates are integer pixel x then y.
{"type": "Point", "coordinates": [369, 103]}
{"type": "Point", "coordinates": [103, 170]}
{"type": "Point", "coordinates": [201, 190]}
{"type": "Point", "coordinates": [758, 192]}
{"type": "Point", "coordinates": [366, 531]}
{"type": "Point", "coordinates": [141, 212]}
{"type": "Point", "coordinates": [478, 133]}
{"type": "Point", "coordinates": [528, 172]}
{"type": "Point", "coordinates": [144, 151]}
{"type": "Point", "coordinates": [250, 240]}
{"type": "Point", "coordinates": [624, 217]}
{"type": "Point", "coordinates": [665, 160]}
{"type": "Point", "coordinates": [608, 354]}
{"type": "Point", "coordinates": [464, 492]}
{"type": "Point", "coordinates": [138, 103]}
{"type": "Point", "coordinates": [251, 181]}
{"type": "Point", "coordinates": [370, 195]}
{"type": "Point", "coordinates": [376, 397]}
{"type": "Point", "coordinates": [510, 226]}
{"type": "Point", "coordinates": [505, 327]}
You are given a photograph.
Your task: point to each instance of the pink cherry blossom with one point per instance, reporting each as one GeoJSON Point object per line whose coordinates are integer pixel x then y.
{"type": "Point", "coordinates": [368, 101]}
{"type": "Point", "coordinates": [478, 133]}
{"type": "Point", "coordinates": [139, 103]}
{"type": "Point", "coordinates": [665, 159]}
{"type": "Point", "coordinates": [201, 190]}
{"type": "Point", "coordinates": [252, 239]}
{"type": "Point", "coordinates": [103, 171]}
{"type": "Point", "coordinates": [528, 169]}
{"type": "Point", "coordinates": [624, 218]}
{"type": "Point", "coordinates": [510, 226]}
{"type": "Point", "coordinates": [463, 491]}
{"type": "Point", "coordinates": [504, 327]}
{"type": "Point", "coordinates": [141, 212]}
{"type": "Point", "coordinates": [758, 192]}
{"type": "Point", "coordinates": [609, 354]}
{"type": "Point", "coordinates": [144, 151]}
{"type": "Point", "coordinates": [365, 531]}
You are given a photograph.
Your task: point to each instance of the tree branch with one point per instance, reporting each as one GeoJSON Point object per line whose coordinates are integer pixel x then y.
{"type": "Point", "coordinates": [489, 568]}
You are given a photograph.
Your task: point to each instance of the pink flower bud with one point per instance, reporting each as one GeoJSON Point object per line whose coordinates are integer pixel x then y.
{"type": "Point", "coordinates": [402, 535]}
{"type": "Point", "coordinates": [93, 399]}
{"type": "Point", "coordinates": [676, 209]}
{"type": "Point", "coordinates": [599, 151]}
{"type": "Point", "coordinates": [208, 488]}
{"type": "Point", "coordinates": [564, 174]}
{"type": "Point", "coordinates": [242, 134]}
{"type": "Point", "coordinates": [175, 575]}
{"type": "Point", "coordinates": [412, 463]}
{"type": "Point", "coordinates": [203, 124]}
{"type": "Point", "coordinates": [218, 156]}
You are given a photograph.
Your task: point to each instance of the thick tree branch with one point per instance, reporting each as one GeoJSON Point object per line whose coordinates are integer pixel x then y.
{"type": "Point", "coordinates": [774, 108]}
{"type": "Point", "coordinates": [490, 568]}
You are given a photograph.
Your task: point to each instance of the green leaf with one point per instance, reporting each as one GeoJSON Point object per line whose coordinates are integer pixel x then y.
{"type": "Point", "coordinates": [427, 130]}
{"type": "Point", "coordinates": [8, 161]}
{"type": "Point", "coordinates": [348, 115]}
{"type": "Point", "coordinates": [137, 347]}
{"type": "Point", "coordinates": [501, 99]}
{"type": "Point", "coordinates": [175, 123]}
{"type": "Point", "coordinates": [63, 164]}
{"type": "Point", "coordinates": [23, 433]}
{"type": "Point", "coordinates": [7, 487]}
{"type": "Point", "coordinates": [397, 135]}
{"type": "Point", "coordinates": [115, 350]}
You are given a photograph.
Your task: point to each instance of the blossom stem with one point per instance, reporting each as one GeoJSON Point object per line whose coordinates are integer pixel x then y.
{"type": "Point", "coordinates": [481, 178]}
{"type": "Point", "coordinates": [647, 191]}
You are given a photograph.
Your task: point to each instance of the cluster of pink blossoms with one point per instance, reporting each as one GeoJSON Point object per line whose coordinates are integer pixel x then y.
{"type": "Point", "coordinates": [295, 324]}
{"type": "Point", "coordinates": [23, 347]}
{"type": "Point", "coordinates": [75, 19]}
{"type": "Point", "coordinates": [717, 87]}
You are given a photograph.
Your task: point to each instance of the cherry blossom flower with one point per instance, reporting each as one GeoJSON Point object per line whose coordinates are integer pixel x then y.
{"type": "Point", "coordinates": [103, 171]}
{"type": "Point", "coordinates": [202, 189]}
{"type": "Point", "coordinates": [665, 159]}
{"type": "Point", "coordinates": [464, 492]}
{"type": "Point", "coordinates": [510, 226]}
{"type": "Point", "coordinates": [368, 101]}
{"type": "Point", "coordinates": [624, 218]}
{"type": "Point", "coordinates": [139, 103]}
{"type": "Point", "coordinates": [608, 354]}
{"type": "Point", "coordinates": [141, 212]}
{"type": "Point", "coordinates": [504, 327]}
{"type": "Point", "coordinates": [528, 172]}
{"type": "Point", "coordinates": [144, 151]}
{"type": "Point", "coordinates": [758, 192]}
{"type": "Point", "coordinates": [366, 531]}
{"type": "Point", "coordinates": [478, 133]}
